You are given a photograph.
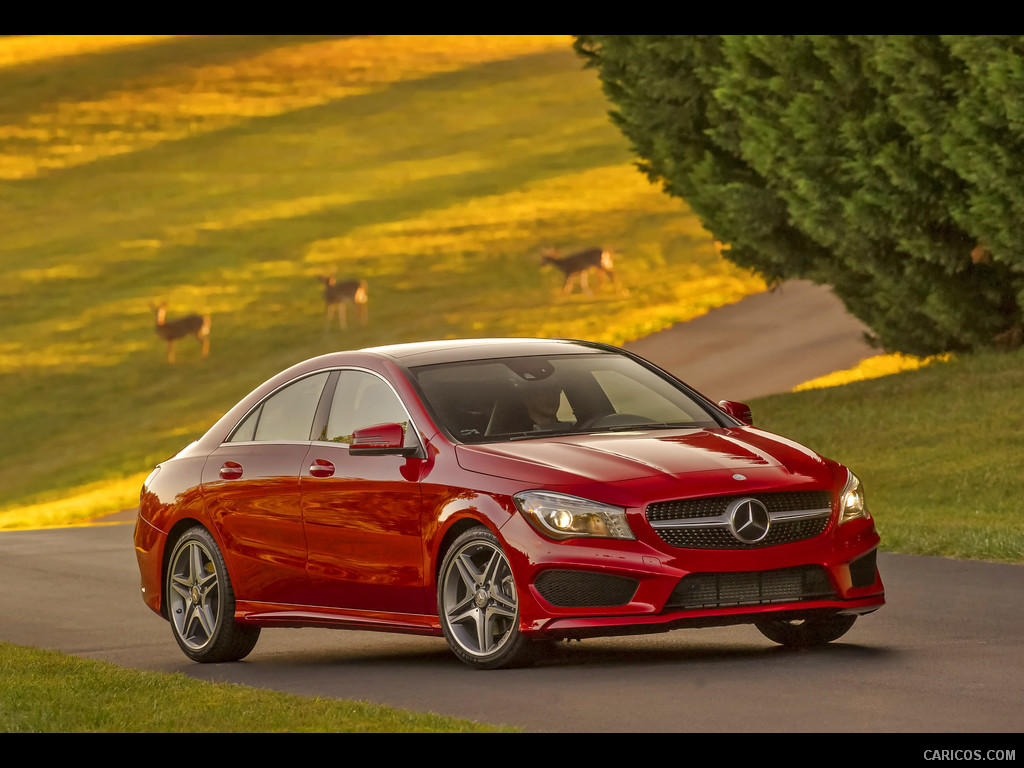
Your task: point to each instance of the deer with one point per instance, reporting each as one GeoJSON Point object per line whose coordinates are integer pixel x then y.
{"type": "Point", "coordinates": [189, 325]}
{"type": "Point", "coordinates": [338, 295]}
{"type": "Point", "coordinates": [577, 266]}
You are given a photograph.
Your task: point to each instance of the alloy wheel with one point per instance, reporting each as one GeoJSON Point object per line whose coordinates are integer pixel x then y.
{"type": "Point", "coordinates": [479, 602]}
{"type": "Point", "coordinates": [194, 595]}
{"type": "Point", "coordinates": [201, 602]}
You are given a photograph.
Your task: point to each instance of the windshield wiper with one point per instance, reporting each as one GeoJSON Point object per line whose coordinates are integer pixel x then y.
{"type": "Point", "coordinates": [641, 426]}
{"type": "Point", "coordinates": [512, 436]}
{"type": "Point", "coordinates": [539, 433]}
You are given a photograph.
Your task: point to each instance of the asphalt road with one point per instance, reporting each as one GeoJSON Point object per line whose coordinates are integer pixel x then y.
{"type": "Point", "coordinates": [943, 656]}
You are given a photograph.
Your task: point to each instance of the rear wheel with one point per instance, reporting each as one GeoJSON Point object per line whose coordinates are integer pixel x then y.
{"type": "Point", "coordinates": [805, 633]}
{"type": "Point", "coordinates": [478, 603]}
{"type": "Point", "coordinates": [201, 602]}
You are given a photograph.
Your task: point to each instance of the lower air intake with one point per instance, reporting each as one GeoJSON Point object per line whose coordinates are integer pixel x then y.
{"type": "Point", "coordinates": [726, 590]}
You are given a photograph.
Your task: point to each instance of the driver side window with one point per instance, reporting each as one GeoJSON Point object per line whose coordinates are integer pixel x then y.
{"type": "Point", "coordinates": [363, 400]}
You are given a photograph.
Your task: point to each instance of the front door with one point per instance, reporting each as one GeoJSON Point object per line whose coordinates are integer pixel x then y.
{"type": "Point", "coordinates": [362, 517]}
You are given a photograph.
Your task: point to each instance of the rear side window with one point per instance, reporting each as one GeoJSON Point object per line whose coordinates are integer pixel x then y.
{"type": "Point", "coordinates": [287, 415]}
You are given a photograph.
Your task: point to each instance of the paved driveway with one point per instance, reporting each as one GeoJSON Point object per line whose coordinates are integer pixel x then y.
{"type": "Point", "coordinates": [762, 345]}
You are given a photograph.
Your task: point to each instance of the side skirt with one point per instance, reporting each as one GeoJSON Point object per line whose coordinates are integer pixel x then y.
{"type": "Point", "coordinates": [273, 615]}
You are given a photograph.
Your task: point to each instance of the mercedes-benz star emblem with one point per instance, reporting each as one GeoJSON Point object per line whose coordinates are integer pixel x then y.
{"type": "Point", "coordinates": [748, 520]}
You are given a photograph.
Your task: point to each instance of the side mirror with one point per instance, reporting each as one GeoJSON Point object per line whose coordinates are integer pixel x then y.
{"type": "Point", "coordinates": [381, 440]}
{"type": "Point", "coordinates": [739, 411]}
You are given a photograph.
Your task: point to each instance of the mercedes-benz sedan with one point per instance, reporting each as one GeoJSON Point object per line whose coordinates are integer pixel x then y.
{"type": "Point", "coordinates": [498, 492]}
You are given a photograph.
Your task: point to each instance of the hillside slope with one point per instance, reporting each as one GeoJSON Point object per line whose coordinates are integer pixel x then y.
{"type": "Point", "coordinates": [222, 173]}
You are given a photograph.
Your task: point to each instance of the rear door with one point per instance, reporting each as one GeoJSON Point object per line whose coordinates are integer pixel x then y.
{"type": "Point", "coordinates": [251, 488]}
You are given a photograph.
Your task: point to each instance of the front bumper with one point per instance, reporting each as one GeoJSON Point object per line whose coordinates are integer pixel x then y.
{"type": "Point", "coordinates": [593, 587]}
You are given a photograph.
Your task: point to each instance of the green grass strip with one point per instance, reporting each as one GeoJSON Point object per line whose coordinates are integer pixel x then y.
{"type": "Point", "coordinates": [47, 692]}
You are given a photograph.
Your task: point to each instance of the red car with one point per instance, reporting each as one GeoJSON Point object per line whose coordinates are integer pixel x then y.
{"type": "Point", "coordinates": [498, 493]}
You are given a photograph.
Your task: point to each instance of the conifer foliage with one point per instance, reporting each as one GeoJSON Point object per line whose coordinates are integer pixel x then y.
{"type": "Point", "coordinates": [890, 167]}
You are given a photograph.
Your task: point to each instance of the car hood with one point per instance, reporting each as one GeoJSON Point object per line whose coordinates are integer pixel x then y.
{"type": "Point", "coordinates": [620, 457]}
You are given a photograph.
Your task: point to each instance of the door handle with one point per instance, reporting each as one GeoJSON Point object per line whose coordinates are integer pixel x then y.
{"type": "Point", "coordinates": [231, 470]}
{"type": "Point", "coordinates": [321, 468]}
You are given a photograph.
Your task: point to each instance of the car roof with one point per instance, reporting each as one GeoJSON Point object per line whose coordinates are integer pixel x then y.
{"type": "Point", "coordinates": [457, 350]}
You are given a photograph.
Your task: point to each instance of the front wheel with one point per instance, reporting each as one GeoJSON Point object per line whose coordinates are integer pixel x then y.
{"type": "Point", "coordinates": [805, 633]}
{"type": "Point", "coordinates": [479, 604]}
{"type": "Point", "coordinates": [201, 602]}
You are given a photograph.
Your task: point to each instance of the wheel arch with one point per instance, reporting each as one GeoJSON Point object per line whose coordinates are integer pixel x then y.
{"type": "Point", "coordinates": [460, 514]}
{"type": "Point", "coordinates": [453, 531]}
{"type": "Point", "coordinates": [176, 532]}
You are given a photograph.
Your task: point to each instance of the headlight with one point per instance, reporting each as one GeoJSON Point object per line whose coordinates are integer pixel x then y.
{"type": "Point", "coordinates": [562, 517]}
{"type": "Point", "coordinates": [851, 502]}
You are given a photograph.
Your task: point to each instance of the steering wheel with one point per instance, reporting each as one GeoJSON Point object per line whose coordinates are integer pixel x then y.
{"type": "Point", "coordinates": [603, 420]}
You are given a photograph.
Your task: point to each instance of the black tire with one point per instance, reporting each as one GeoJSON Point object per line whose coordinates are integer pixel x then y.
{"type": "Point", "coordinates": [478, 604]}
{"type": "Point", "coordinates": [201, 602]}
{"type": "Point", "coordinates": [806, 633]}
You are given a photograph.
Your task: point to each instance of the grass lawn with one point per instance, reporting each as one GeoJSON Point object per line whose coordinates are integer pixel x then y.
{"type": "Point", "coordinates": [47, 692]}
{"type": "Point", "coordinates": [222, 173]}
{"type": "Point", "coordinates": [940, 450]}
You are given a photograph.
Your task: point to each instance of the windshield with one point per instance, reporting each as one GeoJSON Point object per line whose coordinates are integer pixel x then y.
{"type": "Point", "coordinates": [522, 397]}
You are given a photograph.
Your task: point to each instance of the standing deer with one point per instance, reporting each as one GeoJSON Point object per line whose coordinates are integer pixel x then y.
{"type": "Point", "coordinates": [337, 297]}
{"type": "Point", "coordinates": [578, 266]}
{"type": "Point", "coordinates": [189, 325]}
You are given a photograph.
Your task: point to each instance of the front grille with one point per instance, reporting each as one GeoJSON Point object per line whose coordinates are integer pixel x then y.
{"type": "Point", "coordinates": [584, 589]}
{"type": "Point", "coordinates": [703, 523]}
{"type": "Point", "coordinates": [728, 590]}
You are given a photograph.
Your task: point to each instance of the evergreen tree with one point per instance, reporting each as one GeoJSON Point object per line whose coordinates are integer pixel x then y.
{"type": "Point", "coordinates": [884, 166]}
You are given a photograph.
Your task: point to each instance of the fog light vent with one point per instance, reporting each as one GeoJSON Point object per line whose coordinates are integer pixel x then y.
{"type": "Point", "coordinates": [584, 589]}
{"type": "Point", "coordinates": [863, 570]}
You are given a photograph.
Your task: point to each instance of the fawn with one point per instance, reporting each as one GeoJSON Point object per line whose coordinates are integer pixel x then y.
{"type": "Point", "coordinates": [578, 266]}
{"type": "Point", "coordinates": [337, 297]}
{"type": "Point", "coordinates": [189, 325]}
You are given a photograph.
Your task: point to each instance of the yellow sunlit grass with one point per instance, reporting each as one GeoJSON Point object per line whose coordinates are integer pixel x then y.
{"type": "Point", "coordinates": [570, 203]}
{"type": "Point", "coordinates": [872, 368]}
{"type": "Point", "coordinates": [213, 97]}
{"type": "Point", "coordinates": [440, 192]}
{"type": "Point", "coordinates": [46, 275]}
{"type": "Point", "coordinates": [80, 504]}
{"type": "Point", "coordinates": [15, 358]}
{"type": "Point", "coordinates": [81, 339]}
{"type": "Point", "coordinates": [570, 211]}
{"type": "Point", "coordinates": [455, 243]}
{"type": "Point", "coordinates": [25, 49]}
{"type": "Point", "coordinates": [279, 210]}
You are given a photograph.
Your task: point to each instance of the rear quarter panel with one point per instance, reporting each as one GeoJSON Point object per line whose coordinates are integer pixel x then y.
{"type": "Point", "coordinates": [170, 498]}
